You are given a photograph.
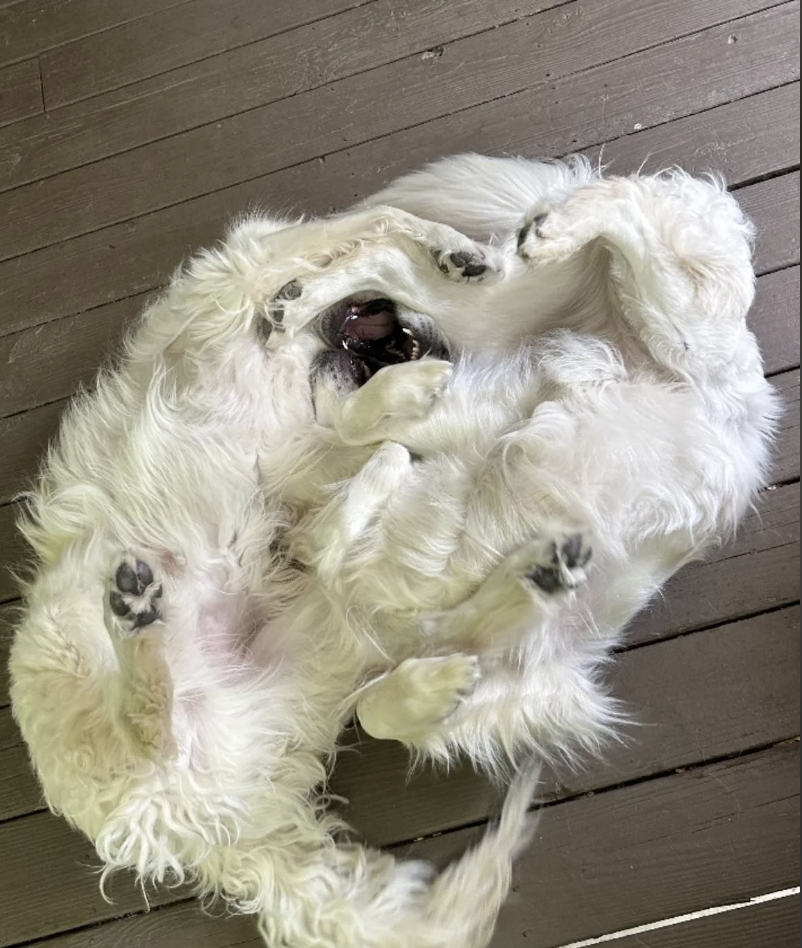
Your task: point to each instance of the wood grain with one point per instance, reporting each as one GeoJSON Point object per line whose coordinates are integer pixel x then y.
{"type": "Point", "coordinates": [43, 846]}
{"type": "Point", "coordinates": [245, 146]}
{"type": "Point", "coordinates": [777, 204]}
{"type": "Point", "coordinates": [775, 319]}
{"type": "Point", "coordinates": [32, 26]}
{"type": "Point", "coordinates": [775, 924]}
{"type": "Point", "coordinates": [359, 39]}
{"type": "Point", "coordinates": [674, 846]}
{"type": "Point", "coordinates": [127, 259]}
{"type": "Point", "coordinates": [20, 92]}
{"type": "Point", "coordinates": [759, 571]}
{"type": "Point", "coordinates": [738, 140]}
{"type": "Point", "coordinates": [786, 462]}
{"type": "Point", "coordinates": [13, 553]}
{"type": "Point", "coordinates": [7, 618]}
{"type": "Point", "coordinates": [53, 360]}
{"type": "Point", "coordinates": [171, 927]}
{"type": "Point", "coordinates": [189, 33]}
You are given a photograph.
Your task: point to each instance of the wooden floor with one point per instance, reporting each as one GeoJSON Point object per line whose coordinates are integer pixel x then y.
{"type": "Point", "coordinates": [131, 130]}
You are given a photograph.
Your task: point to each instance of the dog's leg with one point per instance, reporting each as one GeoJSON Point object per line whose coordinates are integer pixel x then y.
{"type": "Point", "coordinates": [341, 522]}
{"type": "Point", "coordinates": [530, 585]}
{"type": "Point", "coordinates": [396, 264]}
{"type": "Point", "coordinates": [133, 616]}
{"type": "Point", "coordinates": [681, 260]}
{"type": "Point", "coordinates": [418, 696]}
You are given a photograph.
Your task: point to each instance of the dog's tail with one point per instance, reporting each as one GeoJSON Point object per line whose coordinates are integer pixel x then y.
{"type": "Point", "coordinates": [485, 198]}
{"type": "Point", "coordinates": [341, 896]}
{"type": "Point", "coordinates": [464, 902]}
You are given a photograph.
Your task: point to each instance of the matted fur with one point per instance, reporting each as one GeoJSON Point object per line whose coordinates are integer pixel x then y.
{"type": "Point", "coordinates": [606, 385]}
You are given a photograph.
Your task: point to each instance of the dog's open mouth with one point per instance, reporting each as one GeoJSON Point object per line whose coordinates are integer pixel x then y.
{"type": "Point", "coordinates": [371, 331]}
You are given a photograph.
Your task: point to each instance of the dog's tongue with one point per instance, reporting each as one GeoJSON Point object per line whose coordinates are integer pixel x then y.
{"type": "Point", "coordinates": [369, 326]}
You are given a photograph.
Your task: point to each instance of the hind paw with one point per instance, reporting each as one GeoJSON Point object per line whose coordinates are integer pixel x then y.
{"type": "Point", "coordinates": [134, 596]}
{"type": "Point", "coordinates": [557, 566]}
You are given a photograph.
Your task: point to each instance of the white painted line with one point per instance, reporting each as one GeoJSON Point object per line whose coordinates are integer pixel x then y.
{"type": "Point", "coordinates": [685, 919]}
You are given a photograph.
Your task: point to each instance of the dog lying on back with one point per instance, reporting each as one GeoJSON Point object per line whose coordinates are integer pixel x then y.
{"type": "Point", "coordinates": [287, 505]}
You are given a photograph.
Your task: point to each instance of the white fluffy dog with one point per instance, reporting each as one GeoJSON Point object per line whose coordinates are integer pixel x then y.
{"type": "Point", "coordinates": [234, 551]}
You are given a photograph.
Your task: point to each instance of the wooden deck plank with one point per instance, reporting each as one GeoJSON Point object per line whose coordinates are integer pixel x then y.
{"type": "Point", "coordinates": [53, 360]}
{"type": "Point", "coordinates": [673, 846]}
{"type": "Point", "coordinates": [775, 925]}
{"type": "Point", "coordinates": [7, 617]}
{"type": "Point", "coordinates": [32, 26]}
{"type": "Point", "coordinates": [187, 34]}
{"type": "Point", "coordinates": [41, 835]}
{"type": "Point", "coordinates": [362, 38]}
{"type": "Point", "coordinates": [176, 925]}
{"type": "Point", "coordinates": [776, 203]}
{"type": "Point", "coordinates": [270, 138]}
{"type": "Point", "coordinates": [716, 140]}
{"type": "Point", "coordinates": [12, 553]}
{"type": "Point", "coordinates": [786, 463]}
{"type": "Point", "coordinates": [44, 846]}
{"type": "Point", "coordinates": [127, 259]}
{"type": "Point", "coordinates": [760, 571]}
{"type": "Point", "coordinates": [775, 319]}
{"type": "Point", "coordinates": [20, 92]}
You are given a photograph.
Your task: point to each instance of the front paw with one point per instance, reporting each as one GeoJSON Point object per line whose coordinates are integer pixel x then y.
{"type": "Point", "coordinates": [410, 391]}
{"type": "Point", "coordinates": [550, 236]}
{"type": "Point", "coordinates": [477, 265]}
{"type": "Point", "coordinates": [418, 697]}
{"type": "Point", "coordinates": [556, 566]}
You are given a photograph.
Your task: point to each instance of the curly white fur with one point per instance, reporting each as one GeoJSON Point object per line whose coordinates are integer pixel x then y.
{"type": "Point", "coordinates": [607, 386]}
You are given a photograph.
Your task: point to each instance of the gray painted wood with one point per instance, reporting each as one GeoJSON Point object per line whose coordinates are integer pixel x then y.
{"type": "Point", "coordinates": [20, 92]}
{"type": "Point", "coordinates": [186, 34]}
{"type": "Point", "coordinates": [270, 138]}
{"type": "Point", "coordinates": [29, 27]}
{"type": "Point", "coordinates": [657, 850]}
{"type": "Point", "coordinates": [261, 73]}
{"type": "Point", "coordinates": [775, 925]}
{"type": "Point", "coordinates": [126, 259]}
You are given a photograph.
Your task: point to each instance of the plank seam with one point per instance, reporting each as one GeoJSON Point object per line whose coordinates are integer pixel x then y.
{"type": "Point", "coordinates": [345, 78]}
{"type": "Point", "coordinates": [155, 290]}
{"type": "Point", "coordinates": [712, 627]}
{"type": "Point", "coordinates": [543, 807]}
{"type": "Point", "coordinates": [48, 49]}
{"type": "Point", "coordinates": [686, 919]}
{"type": "Point", "coordinates": [368, 141]}
{"type": "Point", "coordinates": [355, 5]}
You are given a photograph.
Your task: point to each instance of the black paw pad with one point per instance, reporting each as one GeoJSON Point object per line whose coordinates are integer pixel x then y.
{"type": "Point", "coordinates": [134, 579]}
{"type": "Point", "coordinates": [538, 223]}
{"type": "Point", "coordinates": [135, 595]}
{"type": "Point", "coordinates": [566, 561]}
{"type": "Point", "coordinates": [470, 265]}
